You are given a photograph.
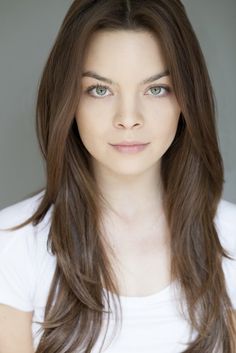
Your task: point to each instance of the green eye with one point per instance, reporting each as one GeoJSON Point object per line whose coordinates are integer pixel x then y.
{"type": "Point", "coordinates": [157, 90]}
{"type": "Point", "coordinates": [101, 88]}
{"type": "Point", "coordinates": [97, 87]}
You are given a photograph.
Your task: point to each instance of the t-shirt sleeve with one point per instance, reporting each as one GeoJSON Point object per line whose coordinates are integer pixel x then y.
{"type": "Point", "coordinates": [17, 256]}
{"type": "Point", "coordinates": [16, 272]}
{"type": "Point", "coordinates": [230, 277]}
{"type": "Point", "coordinates": [226, 227]}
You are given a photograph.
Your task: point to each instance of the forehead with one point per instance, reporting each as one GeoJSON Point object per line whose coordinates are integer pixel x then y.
{"type": "Point", "coordinates": [124, 48]}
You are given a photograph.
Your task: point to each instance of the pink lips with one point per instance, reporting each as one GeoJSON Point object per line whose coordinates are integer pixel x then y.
{"type": "Point", "coordinates": [130, 147]}
{"type": "Point", "coordinates": [129, 143]}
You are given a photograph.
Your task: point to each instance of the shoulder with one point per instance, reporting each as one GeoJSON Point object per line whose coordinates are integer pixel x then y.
{"type": "Point", "coordinates": [18, 212]}
{"type": "Point", "coordinates": [25, 262]}
{"type": "Point", "coordinates": [27, 235]}
{"type": "Point", "coordinates": [225, 222]}
{"type": "Point", "coordinates": [226, 213]}
{"type": "Point", "coordinates": [27, 243]}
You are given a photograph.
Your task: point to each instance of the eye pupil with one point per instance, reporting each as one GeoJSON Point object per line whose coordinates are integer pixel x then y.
{"type": "Point", "coordinates": [101, 89]}
{"type": "Point", "coordinates": [157, 89]}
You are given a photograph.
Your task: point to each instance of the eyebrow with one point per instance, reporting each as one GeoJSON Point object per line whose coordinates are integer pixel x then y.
{"type": "Point", "coordinates": [107, 80]}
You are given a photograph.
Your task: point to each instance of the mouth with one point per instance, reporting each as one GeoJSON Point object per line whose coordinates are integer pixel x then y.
{"type": "Point", "coordinates": [131, 148]}
{"type": "Point", "coordinates": [130, 143]}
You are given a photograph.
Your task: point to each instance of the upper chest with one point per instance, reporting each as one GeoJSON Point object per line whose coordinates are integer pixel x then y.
{"type": "Point", "coordinates": [142, 258]}
{"type": "Point", "coordinates": [138, 239]}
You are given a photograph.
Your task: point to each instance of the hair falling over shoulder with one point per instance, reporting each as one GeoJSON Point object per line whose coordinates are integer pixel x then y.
{"type": "Point", "coordinates": [191, 171]}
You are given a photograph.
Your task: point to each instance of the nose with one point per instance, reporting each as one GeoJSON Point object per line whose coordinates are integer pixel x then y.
{"type": "Point", "coordinates": [128, 116]}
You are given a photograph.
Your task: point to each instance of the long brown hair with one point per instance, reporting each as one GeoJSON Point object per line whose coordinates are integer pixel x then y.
{"type": "Point", "coordinates": [191, 171]}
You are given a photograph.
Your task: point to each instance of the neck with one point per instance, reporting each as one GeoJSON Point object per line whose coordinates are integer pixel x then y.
{"type": "Point", "coordinates": [130, 197]}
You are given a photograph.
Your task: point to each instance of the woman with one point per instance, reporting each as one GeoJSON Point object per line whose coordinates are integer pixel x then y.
{"type": "Point", "coordinates": [132, 207]}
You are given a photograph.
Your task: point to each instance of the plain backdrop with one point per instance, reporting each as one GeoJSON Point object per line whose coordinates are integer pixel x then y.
{"type": "Point", "coordinates": [27, 32]}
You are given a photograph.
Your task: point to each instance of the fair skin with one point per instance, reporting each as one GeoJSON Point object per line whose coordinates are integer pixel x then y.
{"type": "Point", "coordinates": [132, 111]}
{"type": "Point", "coordinates": [129, 109]}
{"type": "Point", "coordinates": [137, 232]}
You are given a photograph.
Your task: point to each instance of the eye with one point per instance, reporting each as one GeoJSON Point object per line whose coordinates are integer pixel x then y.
{"type": "Point", "coordinates": [157, 90]}
{"type": "Point", "coordinates": [99, 88]}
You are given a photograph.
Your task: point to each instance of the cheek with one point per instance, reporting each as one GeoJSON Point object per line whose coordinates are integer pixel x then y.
{"type": "Point", "coordinates": [85, 119]}
{"type": "Point", "coordinates": [165, 123]}
{"type": "Point", "coordinates": [91, 132]}
{"type": "Point", "coordinates": [93, 120]}
{"type": "Point", "coordinates": [164, 131]}
{"type": "Point", "coordinates": [85, 131]}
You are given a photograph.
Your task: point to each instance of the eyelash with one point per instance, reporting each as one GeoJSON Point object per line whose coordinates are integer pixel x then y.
{"type": "Point", "coordinates": [89, 89]}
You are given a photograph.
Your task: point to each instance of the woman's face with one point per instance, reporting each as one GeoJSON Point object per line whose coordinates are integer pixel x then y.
{"type": "Point", "coordinates": [126, 108]}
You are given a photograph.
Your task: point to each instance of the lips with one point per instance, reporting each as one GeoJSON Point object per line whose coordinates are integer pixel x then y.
{"type": "Point", "coordinates": [131, 147]}
{"type": "Point", "coordinates": [130, 143]}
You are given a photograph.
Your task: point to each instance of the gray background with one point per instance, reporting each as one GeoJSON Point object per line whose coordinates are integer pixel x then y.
{"type": "Point", "coordinates": [27, 32]}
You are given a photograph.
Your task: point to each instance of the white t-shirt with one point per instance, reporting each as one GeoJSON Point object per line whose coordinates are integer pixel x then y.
{"type": "Point", "coordinates": [150, 324]}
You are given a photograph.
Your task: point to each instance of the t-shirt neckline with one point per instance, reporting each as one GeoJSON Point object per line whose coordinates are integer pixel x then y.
{"type": "Point", "coordinates": [147, 299]}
